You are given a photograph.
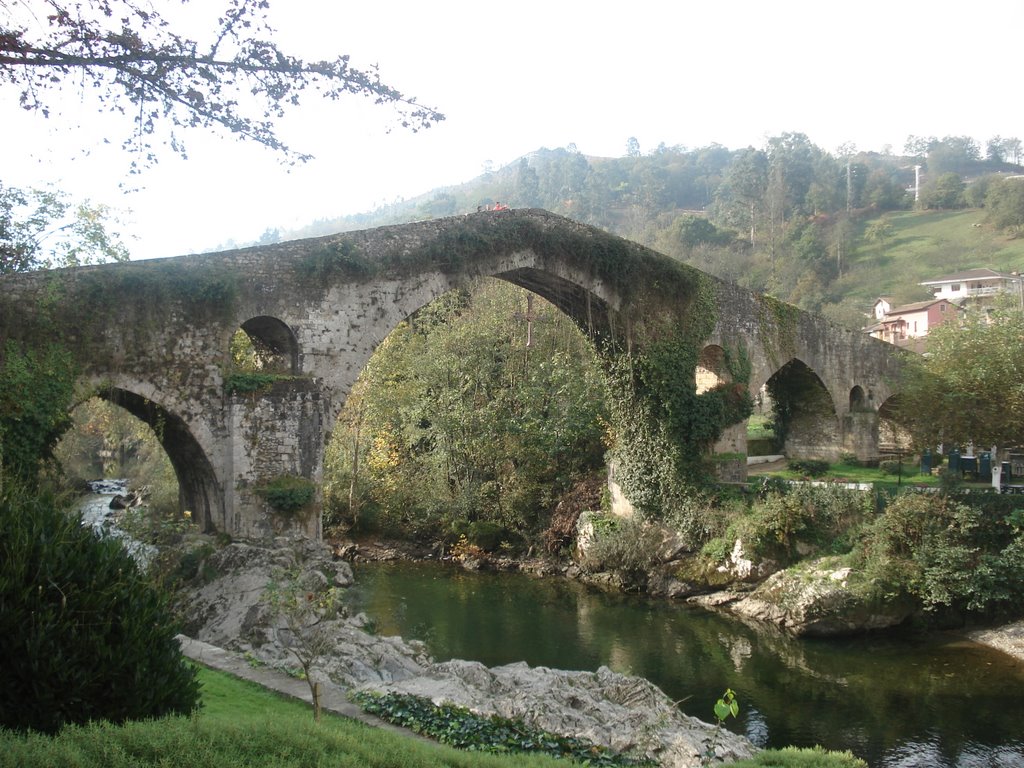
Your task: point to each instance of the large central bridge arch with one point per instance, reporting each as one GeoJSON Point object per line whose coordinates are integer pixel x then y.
{"type": "Point", "coordinates": [160, 333]}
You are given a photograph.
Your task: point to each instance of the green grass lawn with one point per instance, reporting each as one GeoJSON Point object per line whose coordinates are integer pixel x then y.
{"type": "Point", "coordinates": [757, 427]}
{"type": "Point", "coordinates": [854, 473]}
{"type": "Point", "coordinates": [924, 245]}
{"type": "Point", "coordinates": [241, 724]}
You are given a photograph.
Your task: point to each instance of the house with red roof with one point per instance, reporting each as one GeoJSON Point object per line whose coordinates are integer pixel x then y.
{"type": "Point", "coordinates": [905, 324]}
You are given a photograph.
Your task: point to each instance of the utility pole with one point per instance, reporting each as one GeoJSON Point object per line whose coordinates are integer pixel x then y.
{"type": "Point", "coordinates": [917, 183]}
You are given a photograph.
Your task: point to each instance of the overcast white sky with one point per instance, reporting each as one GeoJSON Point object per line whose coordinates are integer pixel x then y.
{"type": "Point", "coordinates": [512, 77]}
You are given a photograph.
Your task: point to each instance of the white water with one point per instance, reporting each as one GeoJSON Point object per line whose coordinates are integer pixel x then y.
{"type": "Point", "coordinates": [97, 514]}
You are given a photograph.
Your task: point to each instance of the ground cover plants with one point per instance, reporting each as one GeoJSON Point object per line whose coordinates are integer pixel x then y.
{"type": "Point", "coordinates": [241, 724]}
{"type": "Point", "coordinates": [458, 727]}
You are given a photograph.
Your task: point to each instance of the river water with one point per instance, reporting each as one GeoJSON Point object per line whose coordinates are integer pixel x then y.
{"type": "Point", "coordinates": [898, 701]}
{"type": "Point", "coordinates": [97, 514]}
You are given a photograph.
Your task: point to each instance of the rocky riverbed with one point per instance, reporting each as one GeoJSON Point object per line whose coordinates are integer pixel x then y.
{"type": "Point", "coordinates": [622, 712]}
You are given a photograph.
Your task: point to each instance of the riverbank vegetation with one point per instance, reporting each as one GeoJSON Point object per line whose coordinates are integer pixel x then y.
{"type": "Point", "coordinates": [475, 417]}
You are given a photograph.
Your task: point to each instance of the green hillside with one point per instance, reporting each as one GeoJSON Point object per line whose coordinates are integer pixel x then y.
{"type": "Point", "coordinates": [829, 234]}
{"type": "Point", "coordinates": [925, 245]}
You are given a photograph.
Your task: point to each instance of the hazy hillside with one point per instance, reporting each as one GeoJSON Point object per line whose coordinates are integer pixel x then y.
{"type": "Point", "coordinates": [827, 233]}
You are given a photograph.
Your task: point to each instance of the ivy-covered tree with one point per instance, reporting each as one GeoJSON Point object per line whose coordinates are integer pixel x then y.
{"type": "Point", "coordinates": [36, 388]}
{"type": "Point", "coordinates": [129, 59]}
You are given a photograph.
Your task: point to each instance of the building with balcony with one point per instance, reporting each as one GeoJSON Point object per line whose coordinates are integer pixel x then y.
{"type": "Point", "coordinates": [974, 285]}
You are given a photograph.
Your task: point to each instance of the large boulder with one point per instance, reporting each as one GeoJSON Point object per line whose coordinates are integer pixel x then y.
{"type": "Point", "coordinates": [232, 611]}
{"type": "Point", "coordinates": [820, 597]}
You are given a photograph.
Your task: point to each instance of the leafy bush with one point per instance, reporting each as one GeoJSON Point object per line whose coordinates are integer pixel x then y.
{"type": "Point", "coordinates": [806, 517]}
{"type": "Point", "coordinates": [250, 382]}
{"type": "Point", "coordinates": [486, 535]}
{"type": "Point", "coordinates": [288, 493]}
{"type": "Point", "coordinates": [83, 634]}
{"type": "Point", "coordinates": [891, 467]}
{"type": "Point", "coordinates": [629, 544]}
{"type": "Point", "coordinates": [809, 467]}
{"type": "Point", "coordinates": [769, 484]}
{"type": "Point", "coordinates": [717, 550]}
{"type": "Point", "coordinates": [699, 517]}
{"type": "Point", "coordinates": [458, 727]}
{"type": "Point", "coordinates": [946, 552]}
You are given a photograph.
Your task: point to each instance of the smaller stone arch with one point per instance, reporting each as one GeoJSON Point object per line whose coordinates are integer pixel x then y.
{"type": "Point", "coordinates": [273, 346]}
{"type": "Point", "coordinates": [198, 489]}
{"type": "Point", "coordinates": [892, 435]}
{"type": "Point", "coordinates": [711, 370]}
{"type": "Point", "coordinates": [804, 413]}
{"type": "Point", "coordinates": [858, 400]}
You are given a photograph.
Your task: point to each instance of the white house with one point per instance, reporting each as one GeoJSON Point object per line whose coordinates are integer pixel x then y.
{"type": "Point", "coordinates": [882, 307]}
{"type": "Point", "coordinates": [972, 284]}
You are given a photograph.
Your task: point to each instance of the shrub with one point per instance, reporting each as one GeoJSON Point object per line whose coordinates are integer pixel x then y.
{"type": "Point", "coordinates": [458, 727]}
{"type": "Point", "coordinates": [946, 553]}
{"type": "Point", "coordinates": [288, 493]}
{"type": "Point", "coordinates": [83, 634]}
{"type": "Point", "coordinates": [486, 535]}
{"type": "Point", "coordinates": [717, 550]}
{"type": "Point", "coordinates": [810, 467]}
{"type": "Point", "coordinates": [699, 517]}
{"type": "Point", "coordinates": [821, 518]}
{"type": "Point", "coordinates": [629, 544]}
{"type": "Point", "coordinates": [794, 757]}
{"type": "Point", "coordinates": [891, 467]}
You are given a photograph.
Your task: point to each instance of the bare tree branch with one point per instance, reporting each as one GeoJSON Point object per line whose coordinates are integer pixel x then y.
{"type": "Point", "coordinates": [126, 54]}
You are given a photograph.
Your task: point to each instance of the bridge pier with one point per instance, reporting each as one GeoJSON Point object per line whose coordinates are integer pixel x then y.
{"type": "Point", "coordinates": [860, 434]}
{"type": "Point", "coordinates": [275, 435]}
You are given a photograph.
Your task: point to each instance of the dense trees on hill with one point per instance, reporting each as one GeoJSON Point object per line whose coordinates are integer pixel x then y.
{"type": "Point", "coordinates": [787, 218]}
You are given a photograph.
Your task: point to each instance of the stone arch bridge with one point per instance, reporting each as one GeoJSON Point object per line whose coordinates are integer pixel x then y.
{"type": "Point", "coordinates": [155, 337]}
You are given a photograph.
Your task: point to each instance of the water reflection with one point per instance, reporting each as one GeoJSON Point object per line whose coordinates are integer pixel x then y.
{"type": "Point", "coordinates": [907, 701]}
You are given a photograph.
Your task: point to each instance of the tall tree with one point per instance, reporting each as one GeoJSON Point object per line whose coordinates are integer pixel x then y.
{"type": "Point", "coordinates": [130, 60]}
{"type": "Point", "coordinates": [741, 195]}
